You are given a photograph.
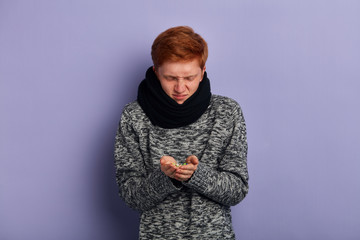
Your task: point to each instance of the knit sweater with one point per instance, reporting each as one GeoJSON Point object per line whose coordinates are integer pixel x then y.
{"type": "Point", "coordinates": [200, 207]}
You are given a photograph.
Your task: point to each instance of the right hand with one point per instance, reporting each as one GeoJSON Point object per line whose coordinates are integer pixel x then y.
{"type": "Point", "coordinates": [168, 167]}
{"type": "Point", "coordinates": [184, 173]}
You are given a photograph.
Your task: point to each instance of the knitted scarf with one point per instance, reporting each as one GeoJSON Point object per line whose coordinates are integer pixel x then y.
{"type": "Point", "coordinates": [164, 111]}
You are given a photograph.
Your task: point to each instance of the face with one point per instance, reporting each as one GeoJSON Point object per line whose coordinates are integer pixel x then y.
{"type": "Point", "coordinates": [180, 80]}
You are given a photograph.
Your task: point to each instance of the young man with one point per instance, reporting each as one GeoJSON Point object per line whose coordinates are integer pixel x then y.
{"type": "Point", "coordinates": [180, 152]}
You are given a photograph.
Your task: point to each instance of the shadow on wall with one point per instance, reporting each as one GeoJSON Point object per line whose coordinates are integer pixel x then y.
{"type": "Point", "coordinates": [121, 221]}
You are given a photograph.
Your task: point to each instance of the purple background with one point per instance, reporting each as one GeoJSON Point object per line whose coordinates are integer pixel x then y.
{"type": "Point", "coordinates": [67, 68]}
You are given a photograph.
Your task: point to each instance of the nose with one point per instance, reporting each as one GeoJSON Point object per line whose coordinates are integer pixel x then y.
{"type": "Point", "coordinates": [179, 86]}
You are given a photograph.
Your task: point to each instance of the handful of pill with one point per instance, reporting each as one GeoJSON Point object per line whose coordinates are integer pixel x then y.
{"type": "Point", "coordinates": [179, 164]}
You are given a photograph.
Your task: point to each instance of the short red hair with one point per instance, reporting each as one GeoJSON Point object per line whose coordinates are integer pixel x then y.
{"type": "Point", "coordinates": [179, 44]}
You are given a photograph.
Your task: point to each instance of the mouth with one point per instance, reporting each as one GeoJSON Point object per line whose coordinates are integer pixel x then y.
{"type": "Point", "coordinates": [179, 97]}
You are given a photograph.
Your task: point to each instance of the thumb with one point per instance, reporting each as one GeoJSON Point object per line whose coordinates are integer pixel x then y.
{"type": "Point", "coordinates": [192, 159]}
{"type": "Point", "coordinates": [164, 160]}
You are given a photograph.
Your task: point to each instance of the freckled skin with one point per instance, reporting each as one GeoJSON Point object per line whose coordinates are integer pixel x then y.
{"type": "Point", "coordinates": [180, 80]}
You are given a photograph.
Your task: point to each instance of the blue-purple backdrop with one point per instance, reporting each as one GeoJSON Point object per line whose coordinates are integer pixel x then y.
{"type": "Point", "coordinates": [67, 68]}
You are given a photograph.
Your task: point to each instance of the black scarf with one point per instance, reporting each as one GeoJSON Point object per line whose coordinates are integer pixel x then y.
{"type": "Point", "coordinates": [164, 111]}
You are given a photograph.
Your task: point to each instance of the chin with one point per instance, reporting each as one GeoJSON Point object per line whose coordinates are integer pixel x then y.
{"type": "Point", "coordinates": [180, 101]}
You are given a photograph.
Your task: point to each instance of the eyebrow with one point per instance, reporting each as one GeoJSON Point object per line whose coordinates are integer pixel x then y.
{"type": "Point", "coordinates": [194, 75]}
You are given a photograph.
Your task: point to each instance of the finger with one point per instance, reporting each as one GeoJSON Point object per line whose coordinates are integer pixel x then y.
{"type": "Point", "coordinates": [192, 159]}
{"type": "Point", "coordinates": [185, 171]}
{"type": "Point", "coordinates": [168, 165]}
{"type": "Point", "coordinates": [188, 167]}
{"type": "Point", "coordinates": [169, 169]}
{"type": "Point", "coordinates": [166, 159]}
{"type": "Point", "coordinates": [182, 177]}
{"type": "Point", "coordinates": [195, 160]}
{"type": "Point", "coordinates": [172, 169]}
{"type": "Point", "coordinates": [170, 174]}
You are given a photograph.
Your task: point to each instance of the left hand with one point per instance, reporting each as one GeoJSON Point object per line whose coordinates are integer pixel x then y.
{"type": "Point", "coordinates": [184, 173]}
{"type": "Point", "coordinates": [167, 164]}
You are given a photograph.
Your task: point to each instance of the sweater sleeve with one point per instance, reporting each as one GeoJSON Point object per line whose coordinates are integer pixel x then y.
{"type": "Point", "coordinates": [228, 184]}
{"type": "Point", "coordinates": [140, 189]}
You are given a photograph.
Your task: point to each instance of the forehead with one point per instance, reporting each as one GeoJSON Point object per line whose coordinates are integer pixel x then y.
{"type": "Point", "coordinates": [180, 68]}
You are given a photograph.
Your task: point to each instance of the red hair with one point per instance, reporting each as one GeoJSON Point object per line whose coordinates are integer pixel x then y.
{"type": "Point", "coordinates": [179, 44]}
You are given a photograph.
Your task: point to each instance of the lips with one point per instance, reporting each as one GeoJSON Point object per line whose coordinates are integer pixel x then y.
{"type": "Point", "coordinates": [179, 97]}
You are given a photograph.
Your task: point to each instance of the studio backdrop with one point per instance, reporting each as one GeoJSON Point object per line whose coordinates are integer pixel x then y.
{"type": "Point", "coordinates": [67, 69]}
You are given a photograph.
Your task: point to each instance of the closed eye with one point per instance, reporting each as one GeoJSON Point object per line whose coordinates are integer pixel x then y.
{"type": "Point", "coordinates": [190, 78]}
{"type": "Point", "coordinates": [170, 78]}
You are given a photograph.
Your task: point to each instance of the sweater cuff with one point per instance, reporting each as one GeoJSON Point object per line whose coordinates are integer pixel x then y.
{"type": "Point", "coordinates": [199, 179]}
{"type": "Point", "coordinates": [162, 183]}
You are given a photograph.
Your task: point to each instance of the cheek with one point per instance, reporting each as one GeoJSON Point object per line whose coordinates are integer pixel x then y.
{"type": "Point", "coordinates": [194, 86]}
{"type": "Point", "coordinates": [166, 86]}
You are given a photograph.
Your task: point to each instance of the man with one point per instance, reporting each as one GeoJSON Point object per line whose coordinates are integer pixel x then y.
{"type": "Point", "coordinates": [180, 152]}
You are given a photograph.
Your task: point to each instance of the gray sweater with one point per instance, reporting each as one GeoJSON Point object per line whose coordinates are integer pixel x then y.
{"type": "Point", "coordinates": [200, 207]}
